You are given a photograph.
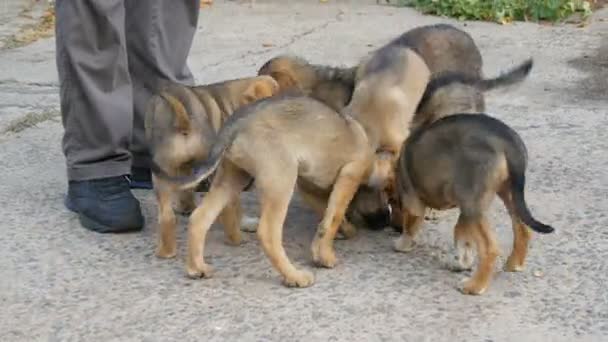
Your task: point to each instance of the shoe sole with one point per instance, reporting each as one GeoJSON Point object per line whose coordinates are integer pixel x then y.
{"type": "Point", "coordinates": [95, 226]}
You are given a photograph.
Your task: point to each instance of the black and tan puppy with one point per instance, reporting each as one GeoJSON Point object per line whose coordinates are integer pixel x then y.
{"type": "Point", "coordinates": [446, 94]}
{"type": "Point", "coordinates": [462, 161]}
{"type": "Point", "coordinates": [181, 125]}
{"type": "Point", "coordinates": [280, 142]}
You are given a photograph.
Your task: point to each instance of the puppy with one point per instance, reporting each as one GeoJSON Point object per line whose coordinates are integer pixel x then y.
{"type": "Point", "coordinates": [446, 94]}
{"type": "Point", "coordinates": [279, 142]}
{"type": "Point", "coordinates": [181, 124]}
{"type": "Point", "coordinates": [462, 161]}
{"type": "Point", "coordinates": [390, 85]}
{"type": "Point", "coordinates": [330, 85]}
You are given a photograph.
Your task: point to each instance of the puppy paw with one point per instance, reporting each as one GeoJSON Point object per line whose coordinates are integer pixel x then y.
{"type": "Point", "coordinates": [199, 270]}
{"type": "Point", "coordinates": [166, 252]}
{"type": "Point", "coordinates": [249, 224]}
{"type": "Point", "coordinates": [404, 244]}
{"type": "Point", "coordinates": [465, 256]}
{"type": "Point", "coordinates": [514, 266]}
{"type": "Point", "coordinates": [469, 286]}
{"type": "Point", "coordinates": [348, 230]}
{"type": "Point", "coordinates": [299, 279]}
{"type": "Point", "coordinates": [234, 239]}
{"type": "Point", "coordinates": [322, 255]}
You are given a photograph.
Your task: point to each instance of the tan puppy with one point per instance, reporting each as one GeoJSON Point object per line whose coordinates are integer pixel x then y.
{"type": "Point", "coordinates": [390, 84]}
{"type": "Point", "coordinates": [181, 125]}
{"type": "Point", "coordinates": [280, 142]}
{"type": "Point", "coordinates": [463, 161]}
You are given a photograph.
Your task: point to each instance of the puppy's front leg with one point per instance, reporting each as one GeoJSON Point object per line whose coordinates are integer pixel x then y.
{"type": "Point", "coordinates": [343, 191]}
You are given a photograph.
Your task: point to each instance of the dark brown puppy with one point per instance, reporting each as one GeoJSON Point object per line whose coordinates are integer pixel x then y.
{"type": "Point", "coordinates": [181, 124]}
{"type": "Point", "coordinates": [462, 161]}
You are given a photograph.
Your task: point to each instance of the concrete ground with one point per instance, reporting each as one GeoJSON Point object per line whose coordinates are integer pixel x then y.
{"type": "Point", "coordinates": [59, 282]}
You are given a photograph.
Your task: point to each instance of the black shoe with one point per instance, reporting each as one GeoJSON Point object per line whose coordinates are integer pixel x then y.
{"type": "Point", "coordinates": [141, 178]}
{"type": "Point", "coordinates": [105, 205]}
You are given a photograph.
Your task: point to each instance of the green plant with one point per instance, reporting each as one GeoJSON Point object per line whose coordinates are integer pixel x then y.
{"type": "Point", "coordinates": [502, 11]}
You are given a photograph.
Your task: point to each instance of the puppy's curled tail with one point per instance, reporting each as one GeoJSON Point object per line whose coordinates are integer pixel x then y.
{"type": "Point", "coordinates": [510, 77]}
{"type": "Point", "coordinates": [518, 181]}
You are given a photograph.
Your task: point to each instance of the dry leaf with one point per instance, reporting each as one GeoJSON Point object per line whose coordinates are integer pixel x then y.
{"type": "Point", "coordinates": [267, 44]}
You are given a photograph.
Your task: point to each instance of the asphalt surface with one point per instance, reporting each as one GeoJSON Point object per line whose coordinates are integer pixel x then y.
{"type": "Point", "coordinates": [59, 282]}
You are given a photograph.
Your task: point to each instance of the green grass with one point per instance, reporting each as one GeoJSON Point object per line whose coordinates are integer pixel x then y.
{"type": "Point", "coordinates": [502, 11]}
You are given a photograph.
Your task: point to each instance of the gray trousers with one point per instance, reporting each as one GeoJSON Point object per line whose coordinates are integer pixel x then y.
{"type": "Point", "coordinates": [111, 56]}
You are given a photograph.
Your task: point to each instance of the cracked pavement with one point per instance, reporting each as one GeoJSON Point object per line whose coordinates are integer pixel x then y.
{"type": "Point", "coordinates": [59, 282]}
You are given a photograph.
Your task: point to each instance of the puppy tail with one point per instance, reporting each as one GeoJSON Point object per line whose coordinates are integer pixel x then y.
{"type": "Point", "coordinates": [518, 181]}
{"type": "Point", "coordinates": [511, 77]}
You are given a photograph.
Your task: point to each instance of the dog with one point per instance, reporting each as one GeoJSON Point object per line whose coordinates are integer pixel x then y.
{"type": "Point", "coordinates": [279, 142]}
{"type": "Point", "coordinates": [462, 161]}
{"type": "Point", "coordinates": [391, 83]}
{"type": "Point", "coordinates": [446, 94]}
{"type": "Point", "coordinates": [180, 125]}
{"type": "Point", "coordinates": [331, 85]}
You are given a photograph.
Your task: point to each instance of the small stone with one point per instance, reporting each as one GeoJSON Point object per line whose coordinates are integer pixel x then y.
{"type": "Point", "coordinates": [538, 273]}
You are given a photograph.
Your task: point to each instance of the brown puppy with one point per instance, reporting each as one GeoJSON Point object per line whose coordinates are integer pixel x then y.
{"type": "Point", "coordinates": [390, 85]}
{"type": "Point", "coordinates": [330, 85]}
{"type": "Point", "coordinates": [463, 161]}
{"type": "Point", "coordinates": [181, 125]}
{"type": "Point", "coordinates": [280, 142]}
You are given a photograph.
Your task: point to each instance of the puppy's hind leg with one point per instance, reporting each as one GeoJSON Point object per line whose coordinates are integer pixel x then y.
{"type": "Point", "coordinates": [185, 203]}
{"type": "Point", "coordinates": [412, 222]}
{"type": "Point", "coordinates": [343, 191]}
{"type": "Point", "coordinates": [226, 186]}
{"type": "Point", "coordinates": [166, 245]}
{"type": "Point", "coordinates": [487, 251]}
{"type": "Point", "coordinates": [464, 241]}
{"type": "Point", "coordinates": [274, 202]}
{"type": "Point", "coordinates": [521, 235]}
{"type": "Point", "coordinates": [231, 218]}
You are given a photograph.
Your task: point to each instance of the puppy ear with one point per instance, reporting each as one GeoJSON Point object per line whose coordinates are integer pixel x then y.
{"type": "Point", "coordinates": [181, 119]}
{"type": "Point", "coordinates": [259, 90]}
